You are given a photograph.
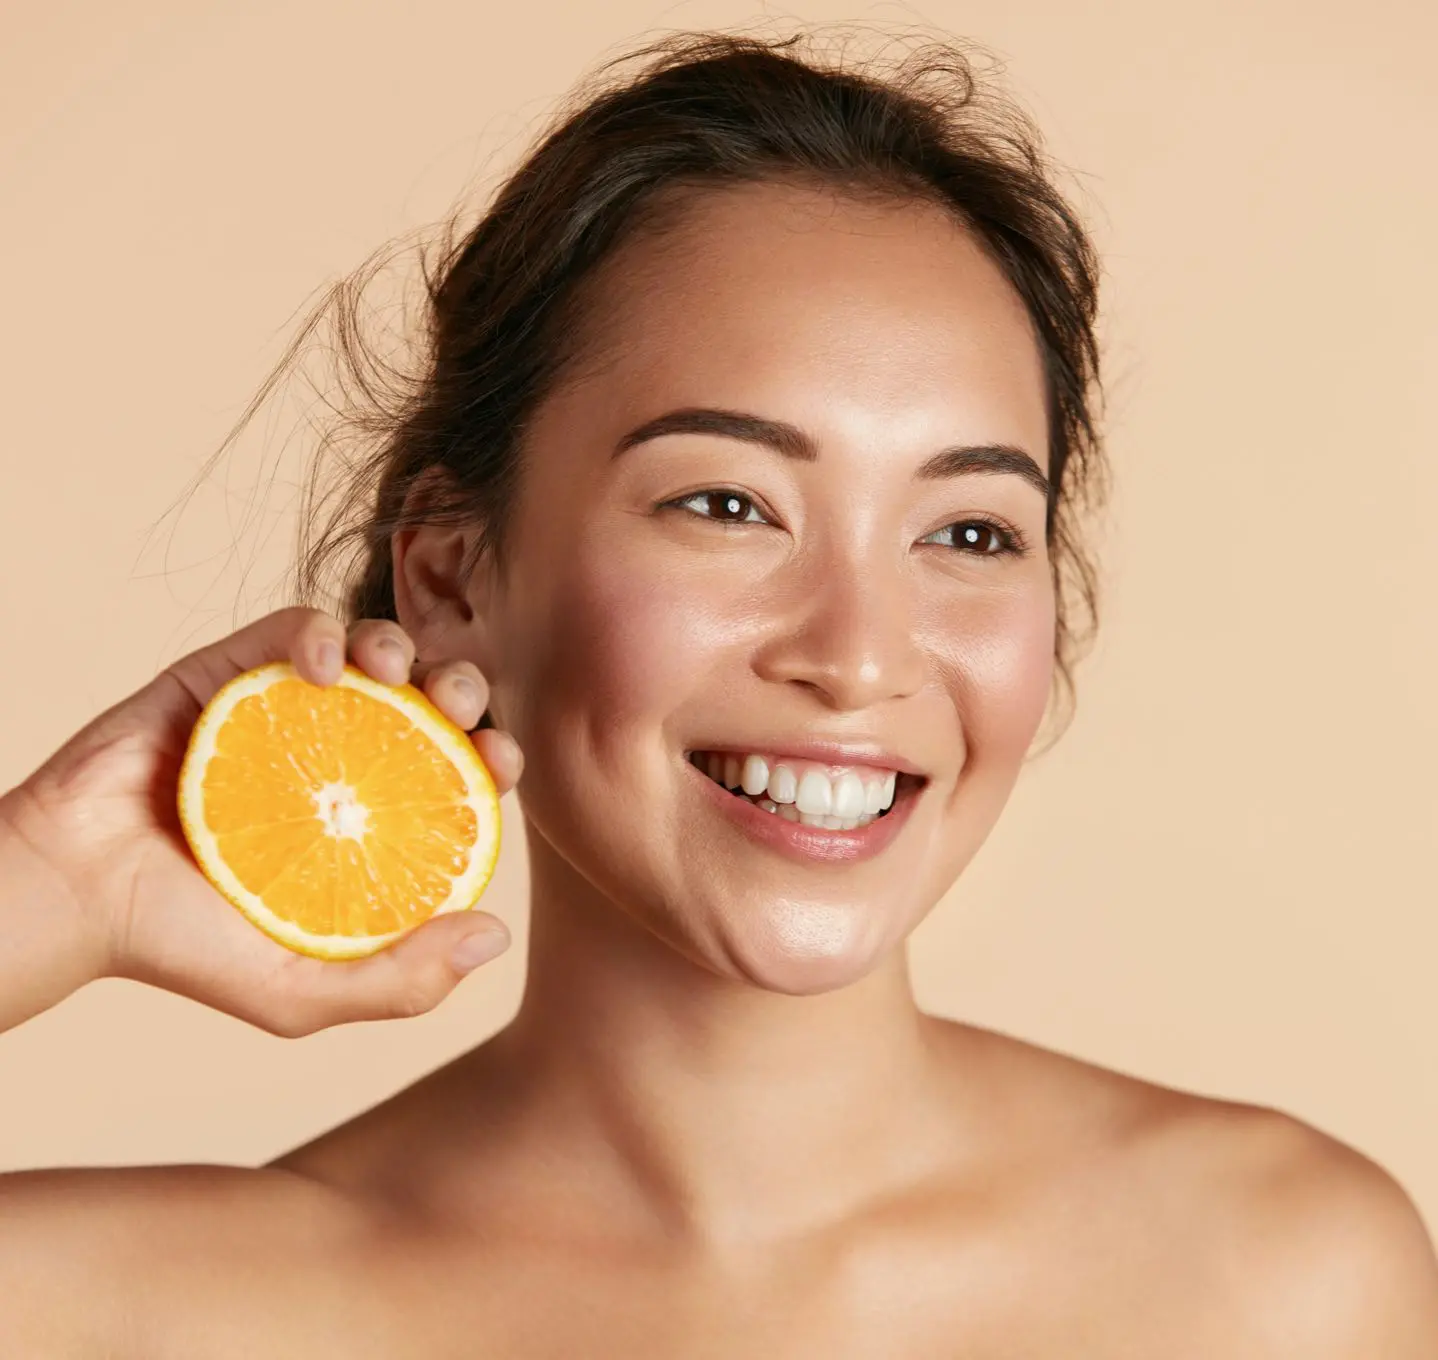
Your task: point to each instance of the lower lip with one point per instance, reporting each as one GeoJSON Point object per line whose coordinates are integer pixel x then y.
{"type": "Point", "coordinates": [810, 843]}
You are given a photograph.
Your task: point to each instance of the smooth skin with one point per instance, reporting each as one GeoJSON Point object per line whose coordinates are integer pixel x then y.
{"type": "Point", "coordinates": [719, 1125]}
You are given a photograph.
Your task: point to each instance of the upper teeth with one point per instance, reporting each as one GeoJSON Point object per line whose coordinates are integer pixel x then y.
{"type": "Point", "coordinates": [812, 788]}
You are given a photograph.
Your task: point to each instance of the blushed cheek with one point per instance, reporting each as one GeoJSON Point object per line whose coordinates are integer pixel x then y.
{"type": "Point", "coordinates": [632, 643]}
{"type": "Point", "coordinates": [1006, 663]}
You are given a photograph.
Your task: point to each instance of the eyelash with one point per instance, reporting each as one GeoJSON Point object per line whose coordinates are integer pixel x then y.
{"type": "Point", "coordinates": [1011, 540]}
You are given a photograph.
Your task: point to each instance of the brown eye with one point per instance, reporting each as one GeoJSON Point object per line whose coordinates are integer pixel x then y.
{"type": "Point", "coordinates": [982, 537]}
{"type": "Point", "coordinates": [729, 507]}
{"type": "Point", "coordinates": [978, 538]}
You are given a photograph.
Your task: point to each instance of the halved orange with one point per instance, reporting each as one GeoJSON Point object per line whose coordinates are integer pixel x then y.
{"type": "Point", "coordinates": [339, 817]}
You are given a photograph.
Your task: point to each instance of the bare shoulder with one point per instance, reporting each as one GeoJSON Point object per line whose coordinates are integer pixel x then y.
{"type": "Point", "coordinates": [93, 1259]}
{"type": "Point", "coordinates": [1326, 1245]}
{"type": "Point", "coordinates": [1316, 1246]}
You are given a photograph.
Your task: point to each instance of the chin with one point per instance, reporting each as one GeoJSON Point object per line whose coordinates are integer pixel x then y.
{"type": "Point", "coordinates": [803, 948]}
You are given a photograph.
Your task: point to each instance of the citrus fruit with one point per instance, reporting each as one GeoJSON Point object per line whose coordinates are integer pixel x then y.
{"type": "Point", "coordinates": [336, 817]}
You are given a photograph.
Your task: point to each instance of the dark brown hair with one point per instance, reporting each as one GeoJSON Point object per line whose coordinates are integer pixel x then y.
{"type": "Point", "coordinates": [505, 302]}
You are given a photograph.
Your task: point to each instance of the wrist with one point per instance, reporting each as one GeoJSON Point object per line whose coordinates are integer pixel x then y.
{"type": "Point", "coordinates": [38, 906]}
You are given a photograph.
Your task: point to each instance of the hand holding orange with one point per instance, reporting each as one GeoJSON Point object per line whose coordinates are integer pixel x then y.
{"type": "Point", "coordinates": [346, 810]}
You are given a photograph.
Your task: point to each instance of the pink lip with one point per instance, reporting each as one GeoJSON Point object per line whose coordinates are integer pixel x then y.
{"type": "Point", "coordinates": [809, 843]}
{"type": "Point", "coordinates": [827, 753]}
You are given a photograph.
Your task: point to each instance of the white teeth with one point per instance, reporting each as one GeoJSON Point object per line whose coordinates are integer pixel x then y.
{"type": "Point", "coordinates": [842, 803]}
{"type": "Point", "coordinates": [816, 795]}
{"type": "Point", "coordinates": [783, 786]}
{"type": "Point", "coordinates": [832, 823]}
{"type": "Point", "coordinates": [755, 775]}
{"type": "Point", "coordinates": [848, 796]}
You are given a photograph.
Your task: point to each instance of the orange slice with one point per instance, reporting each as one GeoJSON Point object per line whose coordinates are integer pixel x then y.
{"type": "Point", "coordinates": [337, 818]}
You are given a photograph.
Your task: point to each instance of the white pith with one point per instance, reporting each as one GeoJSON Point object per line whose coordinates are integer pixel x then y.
{"type": "Point", "coordinates": [802, 791]}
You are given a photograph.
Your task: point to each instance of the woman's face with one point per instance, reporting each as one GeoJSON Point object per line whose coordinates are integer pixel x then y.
{"type": "Point", "coordinates": [842, 605]}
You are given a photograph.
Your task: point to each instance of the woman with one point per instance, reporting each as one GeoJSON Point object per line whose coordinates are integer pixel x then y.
{"type": "Point", "coordinates": [742, 474]}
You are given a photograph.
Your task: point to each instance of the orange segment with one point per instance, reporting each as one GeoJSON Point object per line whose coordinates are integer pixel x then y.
{"type": "Point", "coordinates": [337, 818]}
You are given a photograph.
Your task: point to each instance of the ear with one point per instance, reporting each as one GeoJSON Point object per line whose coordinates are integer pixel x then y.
{"type": "Point", "coordinates": [442, 611]}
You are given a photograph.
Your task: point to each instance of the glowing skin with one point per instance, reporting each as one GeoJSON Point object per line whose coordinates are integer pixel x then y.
{"type": "Point", "coordinates": [629, 636]}
{"type": "Point", "coordinates": [628, 631]}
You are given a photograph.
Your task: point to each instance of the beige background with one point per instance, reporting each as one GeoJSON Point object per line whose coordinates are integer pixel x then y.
{"type": "Point", "coordinates": [1222, 878]}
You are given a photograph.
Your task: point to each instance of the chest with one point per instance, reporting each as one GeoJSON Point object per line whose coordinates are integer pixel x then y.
{"type": "Point", "coordinates": [549, 1302]}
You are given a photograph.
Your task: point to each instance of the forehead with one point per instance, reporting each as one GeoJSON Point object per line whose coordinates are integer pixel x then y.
{"type": "Point", "coordinates": [791, 300]}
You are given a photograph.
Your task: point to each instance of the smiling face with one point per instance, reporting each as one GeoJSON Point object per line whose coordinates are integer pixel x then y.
{"type": "Point", "coordinates": [849, 602]}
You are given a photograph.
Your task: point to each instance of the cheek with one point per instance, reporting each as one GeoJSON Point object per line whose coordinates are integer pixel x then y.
{"type": "Point", "coordinates": [631, 639]}
{"type": "Point", "coordinates": [1001, 658]}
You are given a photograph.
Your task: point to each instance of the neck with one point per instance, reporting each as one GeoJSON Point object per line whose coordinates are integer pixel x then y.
{"type": "Point", "coordinates": [732, 1113]}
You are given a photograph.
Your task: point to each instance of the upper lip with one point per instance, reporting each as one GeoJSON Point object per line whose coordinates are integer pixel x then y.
{"type": "Point", "coordinates": [824, 750]}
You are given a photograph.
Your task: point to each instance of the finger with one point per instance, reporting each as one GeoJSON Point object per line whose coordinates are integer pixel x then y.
{"type": "Point", "coordinates": [502, 757]}
{"type": "Point", "coordinates": [382, 649]}
{"type": "Point", "coordinates": [406, 979]}
{"type": "Point", "coordinates": [309, 639]}
{"type": "Point", "coordinates": [457, 688]}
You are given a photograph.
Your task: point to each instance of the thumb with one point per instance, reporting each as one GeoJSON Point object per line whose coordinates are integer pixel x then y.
{"type": "Point", "coordinates": [408, 978]}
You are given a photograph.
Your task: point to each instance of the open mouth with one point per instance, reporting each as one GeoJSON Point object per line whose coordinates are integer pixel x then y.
{"type": "Point", "coordinates": [827, 797]}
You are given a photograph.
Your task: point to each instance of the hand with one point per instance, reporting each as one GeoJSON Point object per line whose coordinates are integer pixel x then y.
{"type": "Point", "coordinates": [100, 815]}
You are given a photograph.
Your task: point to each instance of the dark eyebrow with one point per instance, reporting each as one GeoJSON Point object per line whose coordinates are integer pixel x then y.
{"type": "Point", "coordinates": [792, 442]}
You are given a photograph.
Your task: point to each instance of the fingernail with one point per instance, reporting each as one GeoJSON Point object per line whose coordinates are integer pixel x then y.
{"type": "Point", "coordinates": [465, 686]}
{"type": "Point", "coordinates": [479, 948]}
{"type": "Point", "coordinates": [329, 656]}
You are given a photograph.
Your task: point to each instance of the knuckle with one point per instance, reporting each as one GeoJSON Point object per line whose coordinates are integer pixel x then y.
{"type": "Point", "coordinates": [290, 1022]}
{"type": "Point", "coordinates": [470, 669]}
{"type": "Point", "coordinates": [304, 616]}
{"type": "Point", "coordinates": [310, 626]}
{"type": "Point", "coordinates": [412, 999]}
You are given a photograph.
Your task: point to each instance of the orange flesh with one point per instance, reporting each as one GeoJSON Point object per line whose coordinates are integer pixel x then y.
{"type": "Point", "coordinates": [276, 750]}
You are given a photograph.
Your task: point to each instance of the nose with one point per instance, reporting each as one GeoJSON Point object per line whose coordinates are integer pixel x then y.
{"type": "Point", "coordinates": [845, 631]}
